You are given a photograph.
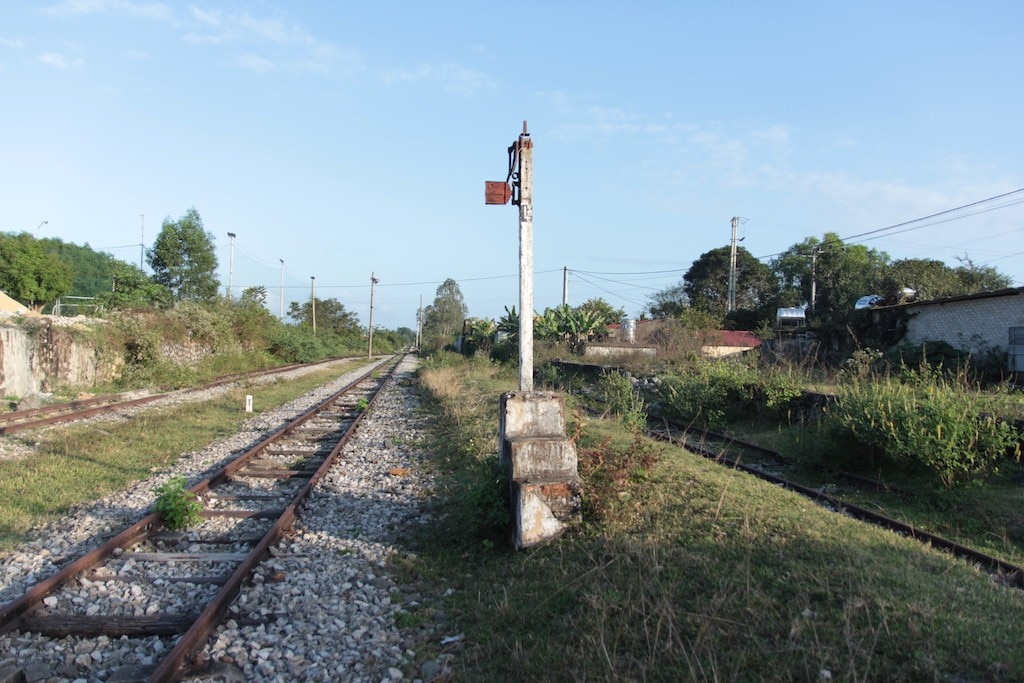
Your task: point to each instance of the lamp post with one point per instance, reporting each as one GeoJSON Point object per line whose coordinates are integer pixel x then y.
{"type": "Point", "coordinates": [373, 281]}
{"type": "Point", "coordinates": [312, 298]}
{"type": "Point", "coordinates": [231, 262]}
{"type": "Point", "coordinates": [281, 297]}
{"type": "Point", "coordinates": [41, 225]}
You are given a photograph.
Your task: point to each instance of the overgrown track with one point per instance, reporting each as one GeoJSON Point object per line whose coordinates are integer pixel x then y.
{"type": "Point", "coordinates": [715, 446]}
{"type": "Point", "coordinates": [248, 505]}
{"type": "Point", "coordinates": [34, 418]}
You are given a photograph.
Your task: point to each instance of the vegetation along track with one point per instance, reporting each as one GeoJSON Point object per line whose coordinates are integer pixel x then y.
{"type": "Point", "coordinates": [715, 446]}
{"type": "Point", "coordinates": [247, 506]}
{"type": "Point", "coordinates": [34, 418]}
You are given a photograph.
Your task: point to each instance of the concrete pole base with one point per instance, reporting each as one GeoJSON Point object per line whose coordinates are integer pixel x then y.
{"type": "Point", "coordinates": [546, 492]}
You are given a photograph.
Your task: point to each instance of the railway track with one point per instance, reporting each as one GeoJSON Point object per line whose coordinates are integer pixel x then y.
{"type": "Point", "coordinates": [168, 590]}
{"type": "Point", "coordinates": [34, 418]}
{"type": "Point", "coordinates": [732, 453]}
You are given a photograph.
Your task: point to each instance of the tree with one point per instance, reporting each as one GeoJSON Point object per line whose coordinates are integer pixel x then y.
{"type": "Point", "coordinates": [331, 317]}
{"type": "Point", "coordinates": [31, 275]}
{"type": "Point", "coordinates": [603, 310]}
{"type": "Point", "coordinates": [130, 288]}
{"type": "Point", "coordinates": [669, 302]}
{"type": "Point", "coordinates": [442, 320]}
{"type": "Point", "coordinates": [183, 258]}
{"type": "Point", "coordinates": [976, 278]}
{"type": "Point", "coordinates": [706, 283]}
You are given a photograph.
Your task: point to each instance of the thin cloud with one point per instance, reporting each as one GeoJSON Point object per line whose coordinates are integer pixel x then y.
{"type": "Point", "coordinates": [59, 61]}
{"type": "Point", "coordinates": [143, 10]}
{"type": "Point", "coordinates": [15, 43]}
{"type": "Point", "coordinates": [274, 44]}
{"type": "Point", "coordinates": [452, 78]}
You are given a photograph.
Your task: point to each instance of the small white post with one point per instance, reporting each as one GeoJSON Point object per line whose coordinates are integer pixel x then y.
{"type": "Point", "coordinates": [248, 403]}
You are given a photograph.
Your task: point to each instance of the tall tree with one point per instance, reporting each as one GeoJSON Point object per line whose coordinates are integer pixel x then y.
{"type": "Point", "coordinates": [331, 317]}
{"type": "Point", "coordinates": [31, 275]}
{"type": "Point", "coordinates": [183, 258]}
{"type": "Point", "coordinates": [706, 283]}
{"type": "Point", "coordinates": [669, 302]}
{"type": "Point", "coordinates": [442, 320]}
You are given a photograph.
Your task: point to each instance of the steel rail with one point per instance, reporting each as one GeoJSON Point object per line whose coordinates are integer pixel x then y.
{"type": "Point", "coordinates": [33, 418]}
{"type": "Point", "coordinates": [1009, 572]}
{"type": "Point", "coordinates": [211, 615]}
{"type": "Point", "coordinates": [12, 612]}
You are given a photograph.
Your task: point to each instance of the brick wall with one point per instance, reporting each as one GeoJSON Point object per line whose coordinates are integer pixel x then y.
{"type": "Point", "coordinates": [974, 324]}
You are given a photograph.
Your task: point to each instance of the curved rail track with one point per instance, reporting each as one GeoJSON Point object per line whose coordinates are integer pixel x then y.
{"type": "Point", "coordinates": [248, 505]}
{"type": "Point", "coordinates": [715, 446]}
{"type": "Point", "coordinates": [33, 418]}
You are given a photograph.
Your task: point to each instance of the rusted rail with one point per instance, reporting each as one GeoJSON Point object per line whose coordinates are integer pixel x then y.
{"type": "Point", "coordinates": [1008, 572]}
{"type": "Point", "coordinates": [33, 418]}
{"type": "Point", "coordinates": [305, 466]}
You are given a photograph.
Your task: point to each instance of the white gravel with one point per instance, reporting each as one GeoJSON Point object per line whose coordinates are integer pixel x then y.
{"type": "Point", "coordinates": [323, 608]}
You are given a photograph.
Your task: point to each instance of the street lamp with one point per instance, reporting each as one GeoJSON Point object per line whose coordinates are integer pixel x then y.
{"type": "Point", "coordinates": [41, 225]}
{"type": "Point", "coordinates": [373, 281]}
{"type": "Point", "coordinates": [312, 296]}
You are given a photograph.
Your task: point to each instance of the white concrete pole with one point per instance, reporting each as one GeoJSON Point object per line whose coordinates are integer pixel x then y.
{"type": "Point", "coordinates": [231, 262]}
{"type": "Point", "coordinates": [525, 146]}
{"type": "Point", "coordinates": [312, 299]}
{"type": "Point", "coordinates": [373, 281]}
{"type": "Point", "coordinates": [732, 266]}
{"type": "Point", "coordinates": [565, 285]}
{"type": "Point", "coordinates": [281, 302]}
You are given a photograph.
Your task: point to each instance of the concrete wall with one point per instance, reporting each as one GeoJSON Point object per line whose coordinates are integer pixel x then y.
{"type": "Point", "coordinates": [974, 324]}
{"type": "Point", "coordinates": [39, 356]}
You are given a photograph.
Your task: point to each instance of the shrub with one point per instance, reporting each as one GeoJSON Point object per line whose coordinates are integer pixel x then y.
{"type": "Point", "coordinates": [934, 425]}
{"type": "Point", "coordinates": [176, 505]}
{"type": "Point", "coordinates": [717, 392]}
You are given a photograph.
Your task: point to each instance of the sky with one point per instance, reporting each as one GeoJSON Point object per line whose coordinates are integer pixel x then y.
{"type": "Point", "coordinates": [350, 139]}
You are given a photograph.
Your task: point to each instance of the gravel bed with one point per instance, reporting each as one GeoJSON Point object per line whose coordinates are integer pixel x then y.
{"type": "Point", "coordinates": [322, 608]}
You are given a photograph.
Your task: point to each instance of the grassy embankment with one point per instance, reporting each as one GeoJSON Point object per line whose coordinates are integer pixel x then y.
{"type": "Point", "coordinates": [77, 464]}
{"type": "Point", "coordinates": [689, 571]}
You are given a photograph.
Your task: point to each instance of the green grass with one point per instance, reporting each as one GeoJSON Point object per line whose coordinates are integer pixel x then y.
{"type": "Point", "coordinates": [696, 572]}
{"type": "Point", "coordinates": [81, 463]}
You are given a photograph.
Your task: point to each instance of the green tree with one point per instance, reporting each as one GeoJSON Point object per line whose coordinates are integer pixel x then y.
{"type": "Point", "coordinates": [669, 302]}
{"type": "Point", "coordinates": [706, 283]}
{"type": "Point", "coordinates": [331, 317]}
{"type": "Point", "coordinates": [608, 314]}
{"type": "Point", "coordinates": [976, 278]}
{"type": "Point", "coordinates": [183, 259]}
{"type": "Point", "coordinates": [91, 270]}
{"type": "Point", "coordinates": [31, 275]}
{"type": "Point", "coordinates": [442, 320]}
{"type": "Point", "coordinates": [131, 289]}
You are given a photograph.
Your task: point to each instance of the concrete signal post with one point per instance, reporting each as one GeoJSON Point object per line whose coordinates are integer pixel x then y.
{"type": "Point", "coordinates": [546, 494]}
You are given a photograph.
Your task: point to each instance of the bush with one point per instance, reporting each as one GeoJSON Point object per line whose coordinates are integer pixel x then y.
{"type": "Point", "coordinates": [177, 506]}
{"type": "Point", "coordinates": [933, 425]}
{"type": "Point", "coordinates": [717, 392]}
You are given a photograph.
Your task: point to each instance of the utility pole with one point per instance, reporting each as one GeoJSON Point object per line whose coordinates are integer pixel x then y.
{"type": "Point", "coordinates": [524, 148]}
{"type": "Point", "coordinates": [419, 324]}
{"type": "Point", "coordinates": [312, 299]}
{"type": "Point", "coordinates": [520, 191]}
{"type": "Point", "coordinates": [732, 266]}
{"type": "Point", "coordinates": [142, 240]}
{"type": "Point", "coordinates": [231, 262]}
{"type": "Point", "coordinates": [814, 279]}
{"type": "Point", "coordinates": [565, 285]}
{"type": "Point", "coordinates": [281, 297]}
{"type": "Point", "coordinates": [373, 281]}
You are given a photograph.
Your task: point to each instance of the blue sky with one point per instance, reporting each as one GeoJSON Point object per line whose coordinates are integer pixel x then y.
{"type": "Point", "coordinates": [354, 138]}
